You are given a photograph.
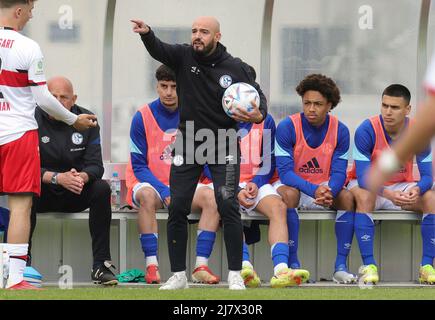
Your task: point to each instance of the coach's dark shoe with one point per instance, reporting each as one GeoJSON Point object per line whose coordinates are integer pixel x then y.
{"type": "Point", "coordinates": [104, 274]}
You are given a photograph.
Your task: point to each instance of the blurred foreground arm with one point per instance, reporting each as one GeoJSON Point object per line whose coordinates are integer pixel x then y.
{"type": "Point", "coordinates": [415, 140]}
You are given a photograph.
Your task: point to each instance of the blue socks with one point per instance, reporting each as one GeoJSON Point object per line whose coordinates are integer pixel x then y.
{"type": "Point", "coordinates": [280, 253]}
{"type": "Point", "coordinates": [149, 244]}
{"type": "Point", "coordinates": [427, 236]}
{"type": "Point", "coordinates": [365, 232]}
{"type": "Point", "coordinates": [204, 243]}
{"type": "Point", "coordinates": [344, 227]}
{"type": "Point", "coordinates": [245, 252]}
{"type": "Point", "coordinates": [293, 238]}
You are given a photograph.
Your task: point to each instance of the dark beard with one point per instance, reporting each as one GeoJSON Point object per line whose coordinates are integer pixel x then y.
{"type": "Point", "coordinates": [207, 51]}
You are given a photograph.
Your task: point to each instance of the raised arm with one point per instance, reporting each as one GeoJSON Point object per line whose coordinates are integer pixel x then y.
{"type": "Point", "coordinates": [168, 54]}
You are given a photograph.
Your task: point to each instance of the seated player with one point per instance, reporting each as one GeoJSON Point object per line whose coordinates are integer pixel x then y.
{"type": "Point", "coordinates": [147, 178]}
{"type": "Point", "coordinates": [312, 150]}
{"type": "Point", "coordinates": [373, 136]}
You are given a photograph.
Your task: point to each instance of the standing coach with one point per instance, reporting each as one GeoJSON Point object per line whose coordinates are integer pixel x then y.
{"type": "Point", "coordinates": [204, 69]}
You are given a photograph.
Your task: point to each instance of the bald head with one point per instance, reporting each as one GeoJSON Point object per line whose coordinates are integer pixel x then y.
{"type": "Point", "coordinates": [211, 22]}
{"type": "Point", "coordinates": [62, 89]}
{"type": "Point", "coordinates": [205, 35]}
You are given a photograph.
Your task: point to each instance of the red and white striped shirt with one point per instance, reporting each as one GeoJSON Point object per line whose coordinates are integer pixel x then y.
{"type": "Point", "coordinates": [21, 67]}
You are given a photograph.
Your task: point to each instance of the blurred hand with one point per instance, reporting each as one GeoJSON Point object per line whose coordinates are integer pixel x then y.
{"type": "Point", "coordinates": [376, 178]}
{"type": "Point", "coordinates": [140, 26]}
{"type": "Point", "coordinates": [253, 116]}
{"type": "Point", "coordinates": [85, 121]}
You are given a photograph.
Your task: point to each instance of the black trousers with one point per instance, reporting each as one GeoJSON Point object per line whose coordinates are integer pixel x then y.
{"type": "Point", "coordinates": [183, 183]}
{"type": "Point", "coordinates": [95, 196]}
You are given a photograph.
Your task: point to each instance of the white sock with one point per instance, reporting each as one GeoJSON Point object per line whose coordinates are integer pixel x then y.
{"type": "Point", "coordinates": [247, 264]}
{"type": "Point", "coordinates": [17, 262]}
{"type": "Point", "coordinates": [201, 261]}
{"type": "Point", "coordinates": [180, 274]}
{"type": "Point", "coordinates": [279, 267]}
{"type": "Point", "coordinates": [151, 260]}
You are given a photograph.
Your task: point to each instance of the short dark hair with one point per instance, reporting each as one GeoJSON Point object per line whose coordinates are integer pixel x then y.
{"type": "Point", "coordinates": [326, 86]}
{"type": "Point", "coordinates": [398, 91]}
{"type": "Point", "coordinates": [164, 73]}
{"type": "Point", "coordinates": [5, 4]}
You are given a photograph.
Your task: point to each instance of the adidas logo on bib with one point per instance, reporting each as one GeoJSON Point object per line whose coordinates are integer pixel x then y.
{"type": "Point", "coordinates": [312, 167]}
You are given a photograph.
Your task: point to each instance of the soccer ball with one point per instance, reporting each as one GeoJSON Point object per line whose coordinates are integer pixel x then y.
{"type": "Point", "coordinates": [239, 97]}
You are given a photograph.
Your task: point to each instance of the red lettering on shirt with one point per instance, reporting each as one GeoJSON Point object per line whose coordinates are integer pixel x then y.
{"type": "Point", "coordinates": [6, 43]}
{"type": "Point", "coordinates": [5, 106]}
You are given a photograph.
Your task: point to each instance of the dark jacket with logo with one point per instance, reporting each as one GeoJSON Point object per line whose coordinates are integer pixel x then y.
{"type": "Point", "coordinates": [62, 147]}
{"type": "Point", "coordinates": [201, 82]}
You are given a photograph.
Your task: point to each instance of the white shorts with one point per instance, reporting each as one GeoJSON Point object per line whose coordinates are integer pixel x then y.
{"type": "Point", "coordinates": [139, 186]}
{"type": "Point", "coordinates": [204, 185]}
{"type": "Point", "coordinates": [305, 202]}
{"type": "Point", "coordinates": [381, 202]}
{"type": "Point", "coordinates": [263, 192]}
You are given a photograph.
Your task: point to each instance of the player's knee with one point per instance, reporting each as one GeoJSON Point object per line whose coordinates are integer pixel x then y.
{"type": "Point", "coordinates": [146, 197]}
{"type": "Point", "coordinates": [365, 200]}
{"type": "Point", "coordinates": [290, 196]}
{"type": "Point", "coordinates": [429, 201]}
{"type": "Point", "coordinates": [292, 201]}
{"type": "Point", "coordinates": [279, 211]}
{"type": "Point", "coordinates": [348, 200]}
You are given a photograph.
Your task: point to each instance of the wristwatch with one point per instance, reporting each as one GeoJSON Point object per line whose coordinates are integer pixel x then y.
{"type": "Point", "coordinates": [54, 178]}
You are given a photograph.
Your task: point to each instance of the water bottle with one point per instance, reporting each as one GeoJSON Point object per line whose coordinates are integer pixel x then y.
{"type": "Point", "coordinates": [115, 186]}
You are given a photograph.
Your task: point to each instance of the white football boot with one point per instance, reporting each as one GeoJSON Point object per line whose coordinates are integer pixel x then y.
{"type": "Point", "coordinates": [344, 277]}
{"type": "Point", "coordinates": [176, 282]}
{"type": "Point", "coordinates": [235, 281]}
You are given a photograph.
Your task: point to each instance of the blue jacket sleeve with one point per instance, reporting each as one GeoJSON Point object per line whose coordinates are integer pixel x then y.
{"type": "Point", "coordinates": [284, 145]}
{"type": "Point", "coordinates": [138, 154]}
{"type": "Point", "coordinates": [268, 164]}
{"type": "Point", "coordinates": [362, 151]}
{"type": "Point", "coordinates": [424, 163]}
{"type": "Point", "coordinates": [339, 160]}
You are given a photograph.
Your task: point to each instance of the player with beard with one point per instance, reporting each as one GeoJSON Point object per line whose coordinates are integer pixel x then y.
{"type": "Point", "coordinates": [203, 71]}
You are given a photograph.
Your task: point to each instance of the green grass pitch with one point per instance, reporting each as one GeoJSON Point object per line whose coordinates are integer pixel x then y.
{"type": "Point", "coordinates": [127, 293]}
